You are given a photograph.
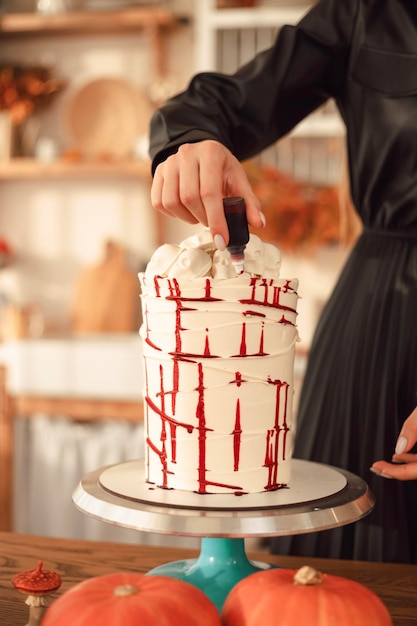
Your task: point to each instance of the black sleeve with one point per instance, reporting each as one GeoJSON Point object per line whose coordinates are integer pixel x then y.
{"type": "Point", "coordinates": [266, 98]}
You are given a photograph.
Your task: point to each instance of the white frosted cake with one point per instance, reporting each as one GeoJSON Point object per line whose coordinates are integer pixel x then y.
{"type": "Point", "coordinates": [219, 361]}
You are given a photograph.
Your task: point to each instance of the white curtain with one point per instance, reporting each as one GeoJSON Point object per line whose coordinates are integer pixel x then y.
{"type": "Point", "coordinates": [51, 456]}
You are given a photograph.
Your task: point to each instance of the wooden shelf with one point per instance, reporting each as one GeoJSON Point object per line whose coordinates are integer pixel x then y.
{"type": "Point", "coordinates": [87, 22]}
{"type": "Point", "coordinates": [258, 17]}
{"type": "Point", "coordinates": [28, 169]}
{"type": "Point", "coordinates": [154, 21]}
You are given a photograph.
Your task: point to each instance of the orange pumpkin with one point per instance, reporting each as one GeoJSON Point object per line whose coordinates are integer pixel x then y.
{"type": "Point", "coordinates": [127, 599]}
{"type": "Point", "coordinates": [307, 598]}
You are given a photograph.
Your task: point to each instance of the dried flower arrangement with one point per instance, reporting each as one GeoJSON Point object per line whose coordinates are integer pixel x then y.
{"type": "Point", "coordinates": [26, 89]}
{"type": "Point", "coordinates": [301, 216]}
{"type": "Point", "coordinates": [6, 253]}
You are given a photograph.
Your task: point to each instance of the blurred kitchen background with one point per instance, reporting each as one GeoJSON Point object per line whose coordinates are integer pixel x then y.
{"type": "Point", "coordinates": [79, 80]}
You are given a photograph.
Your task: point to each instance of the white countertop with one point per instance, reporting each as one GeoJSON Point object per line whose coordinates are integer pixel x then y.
{"type": "Point", "coordinates": [105, 366]}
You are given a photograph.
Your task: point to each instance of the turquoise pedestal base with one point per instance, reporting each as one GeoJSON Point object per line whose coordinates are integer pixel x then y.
{"type": "Point", "coordinates": [222, 563]}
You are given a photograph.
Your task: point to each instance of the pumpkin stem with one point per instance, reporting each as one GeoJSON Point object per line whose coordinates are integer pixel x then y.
{"type": "Point", "coordinates": [125, 590]}
{"type": "Point", "coordinates": [308, 576]}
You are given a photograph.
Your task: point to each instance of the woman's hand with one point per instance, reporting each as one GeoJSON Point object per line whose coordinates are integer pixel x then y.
{"type": "Point", "coordinates": [192, 183]}
{"type": "Point", "coordinates": [404, 466]}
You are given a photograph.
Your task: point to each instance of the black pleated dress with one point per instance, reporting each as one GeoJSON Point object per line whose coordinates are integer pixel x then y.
{"type": "Point", "coordinates": [359, 387]}
{"type": "Point", "coordinates": [361, 379]}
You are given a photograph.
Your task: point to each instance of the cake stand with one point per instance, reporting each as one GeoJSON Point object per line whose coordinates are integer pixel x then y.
{"type": "Point", "coordinates": [320, 497]}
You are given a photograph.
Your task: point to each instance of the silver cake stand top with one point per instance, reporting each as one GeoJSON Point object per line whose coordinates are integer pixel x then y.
{"type": "Point", "coordinates": [319, 497]}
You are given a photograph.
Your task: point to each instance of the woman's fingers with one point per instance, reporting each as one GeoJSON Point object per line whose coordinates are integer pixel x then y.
{"type": "Point", "coordinates": [192, 183]}
{"type": "Point", "coordinates": [405, 471]}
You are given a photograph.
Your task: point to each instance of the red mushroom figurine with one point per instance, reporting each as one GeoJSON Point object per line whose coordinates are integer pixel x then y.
{"type": "Point", "coordinates": [38, 584]}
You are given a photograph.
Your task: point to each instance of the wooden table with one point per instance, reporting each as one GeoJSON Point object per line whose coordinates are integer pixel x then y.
{"type": "Point", "coordinates": [76, 560]}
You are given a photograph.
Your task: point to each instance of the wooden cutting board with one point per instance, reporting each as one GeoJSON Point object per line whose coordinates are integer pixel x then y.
{"type": "Point", "coordinates": [107, 296]}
